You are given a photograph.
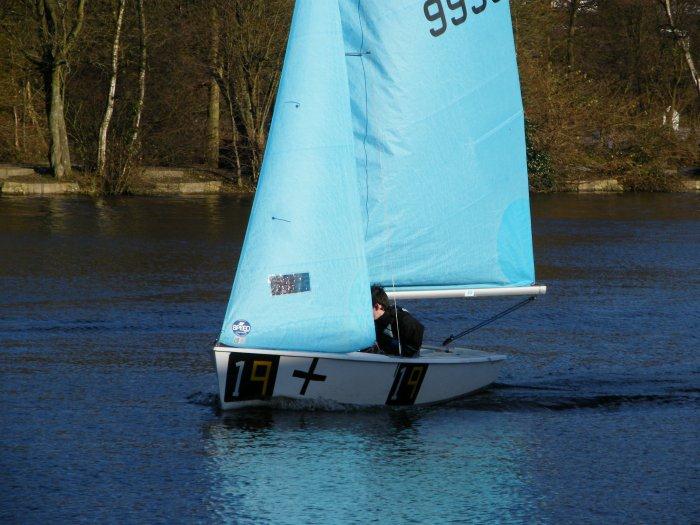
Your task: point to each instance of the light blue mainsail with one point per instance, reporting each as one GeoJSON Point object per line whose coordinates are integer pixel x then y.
{"type": "Point", "coordinates": [439, 142]}
{"type": "Point", "coordinates": [302, 280]}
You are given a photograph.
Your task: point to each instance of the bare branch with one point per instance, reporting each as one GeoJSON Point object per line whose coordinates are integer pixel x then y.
{"type": "Point", "coordinates": [77, 25]}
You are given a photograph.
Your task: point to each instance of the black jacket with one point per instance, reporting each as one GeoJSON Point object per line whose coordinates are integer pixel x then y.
{"type": "Point", "coordinates": [408, 330]}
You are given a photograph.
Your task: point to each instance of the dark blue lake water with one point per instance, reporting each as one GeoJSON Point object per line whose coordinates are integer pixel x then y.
{"type": "Point", "coordinates": [108, 310]}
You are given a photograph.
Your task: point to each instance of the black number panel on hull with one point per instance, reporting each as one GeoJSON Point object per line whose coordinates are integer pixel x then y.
{"type": "Point", "coordinates": [408, 379]}
{"type": "Point", "coordinates": [250, 376]}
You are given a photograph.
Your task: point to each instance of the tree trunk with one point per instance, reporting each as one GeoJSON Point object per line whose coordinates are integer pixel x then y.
{"type": "Point", "coordinates": [15, 113]}
{"type": "Point", "coordinates": [59, 155]}
{"type": "Point", "coordinates": [213, 112]}
{"type": "Point", "coordinates": [16, 99]}
{"type": "Point", "coordinates": [57, 40]}
{"type": "Point", "coordinates": [571, 30]}
{"type": "Point", "coordinates": [109, 110]}
{"type": "Point", "coordinates": [133, 143]}
{"type": "Point", "coordinates": [30, 111]}
{"type": "Point", "coordinates": [234, 139]}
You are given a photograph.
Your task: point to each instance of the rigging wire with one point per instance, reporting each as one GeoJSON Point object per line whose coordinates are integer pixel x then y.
{"type": "Point", "coordinates": [490, 320]}
{"type": "Point", "coordinates": [396, 316]}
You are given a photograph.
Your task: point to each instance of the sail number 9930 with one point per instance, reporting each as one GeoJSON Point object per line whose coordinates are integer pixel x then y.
{"type": "Point", "coordinates": [434, 11]}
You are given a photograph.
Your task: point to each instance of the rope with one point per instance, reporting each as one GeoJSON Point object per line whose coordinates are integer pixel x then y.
{"type": "Point", "coordinates": [396, 315]}
{"type": "Point", "coordinates": [490, 320]}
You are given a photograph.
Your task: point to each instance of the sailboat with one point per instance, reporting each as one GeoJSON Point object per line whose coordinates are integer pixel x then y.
{"type": "Point", "coordinates": [396, 156]}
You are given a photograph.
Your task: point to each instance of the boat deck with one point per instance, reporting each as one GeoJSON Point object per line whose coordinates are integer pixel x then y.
{"type": "Point", "coordinates": [429, 354]}
{"type": "Point", "coordinates": [439, 353]}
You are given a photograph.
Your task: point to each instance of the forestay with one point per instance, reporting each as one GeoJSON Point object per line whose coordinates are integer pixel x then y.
{"type": "Point", "coordinates": [439, 143]}
{"type": "Point", "coordinates": [302, 281]}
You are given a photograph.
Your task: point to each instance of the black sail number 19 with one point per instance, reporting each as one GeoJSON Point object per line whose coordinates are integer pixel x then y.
{"type": "Point", "coordinates": [250, 376]}
{"type": "Point", "coordinates": [408, 379]}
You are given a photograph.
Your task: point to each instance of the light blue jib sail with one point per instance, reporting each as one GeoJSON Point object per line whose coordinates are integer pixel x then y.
{"type": "Point", "coordinates": [302, 281]}
{"type": "Point", "coordinates": [396, 155]}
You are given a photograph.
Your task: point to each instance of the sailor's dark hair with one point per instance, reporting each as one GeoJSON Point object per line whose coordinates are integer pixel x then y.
{"type": "Point", "coordinates": [379, 296]}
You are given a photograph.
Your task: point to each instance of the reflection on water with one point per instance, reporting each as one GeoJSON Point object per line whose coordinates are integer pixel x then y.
{"type": "Point", "coordinates": [403, 466]}
{"type": "Point", "coordinates": [108, 310]}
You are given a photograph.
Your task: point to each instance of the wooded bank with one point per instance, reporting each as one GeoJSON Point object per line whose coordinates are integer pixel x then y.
{"type": "Point", "coordinates": [610, 88]}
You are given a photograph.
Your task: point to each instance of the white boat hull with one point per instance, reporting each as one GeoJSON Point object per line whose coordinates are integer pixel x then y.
{"type": "Point", "coordinates": [253, 377]}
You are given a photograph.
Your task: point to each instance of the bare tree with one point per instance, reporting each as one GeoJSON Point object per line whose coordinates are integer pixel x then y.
{"type": "Point", "coordinates": [212, 149]}
{"type": "Point", "coordinates": [13, 88]}
{"type": "Point", "coordinates": [572, 8]}
{"type": "Point", "coordinates": [133, 145]}
{"type": "Point", "coordinates": [572, 11]}
{"type": "Point", "coordinates": [58, 36]}
{"type": "Point", "coordinates": [252, 51]}
{"type": "Point", "coordinates": [597, 79]}
{"type": "Point", "coordinates": [683, 40]}
{"type": "Point", "coordinates": [109, 110]}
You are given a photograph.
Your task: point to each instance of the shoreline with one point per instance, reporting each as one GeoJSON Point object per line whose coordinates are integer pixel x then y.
{"type": "Point", "coordinates": [18, 179]}
{"type": "Point", "coordinates": [29, 180]}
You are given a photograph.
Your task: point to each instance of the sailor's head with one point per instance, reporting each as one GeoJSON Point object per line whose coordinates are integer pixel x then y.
{"type": "Point", "coordinates": [380, 301]}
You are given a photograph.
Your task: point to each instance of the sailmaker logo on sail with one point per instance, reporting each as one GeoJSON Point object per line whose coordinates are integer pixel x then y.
{"type": "Point", "coordinates": [241, 328]}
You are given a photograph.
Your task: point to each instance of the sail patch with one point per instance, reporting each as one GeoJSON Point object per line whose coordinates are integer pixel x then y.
{"type": "Point", "coordinates": [289, 283]}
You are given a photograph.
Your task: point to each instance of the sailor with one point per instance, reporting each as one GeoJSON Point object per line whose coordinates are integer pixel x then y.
{"type": "Point", "coordinates": [398, 332]}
